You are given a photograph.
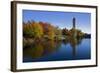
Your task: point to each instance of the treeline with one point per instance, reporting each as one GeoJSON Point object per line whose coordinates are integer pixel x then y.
{"type": "Point", "coordinates": [38, 30]}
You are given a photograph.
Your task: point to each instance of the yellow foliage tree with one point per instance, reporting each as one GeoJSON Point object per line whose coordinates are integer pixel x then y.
{"type": "Point", "coordinates": [33, 30]}
{"type": "Point", "coordinates": [51, 33]}
{"type": "Point", "coordinates": [37, 30]}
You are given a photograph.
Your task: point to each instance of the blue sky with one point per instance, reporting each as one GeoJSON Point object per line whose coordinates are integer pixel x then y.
{"type": "Point", "coordinates": [60, 19]}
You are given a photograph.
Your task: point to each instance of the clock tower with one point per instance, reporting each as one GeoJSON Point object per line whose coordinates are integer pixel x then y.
{"type": "Point", "coordinates": [74, 23]}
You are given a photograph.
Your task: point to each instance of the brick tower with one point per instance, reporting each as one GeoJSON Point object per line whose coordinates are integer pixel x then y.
{"type": "Point", "coordinates": [74, 23]}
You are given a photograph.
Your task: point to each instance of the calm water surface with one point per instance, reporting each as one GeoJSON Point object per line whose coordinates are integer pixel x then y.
{"type": "Point", "coordinates": [57, 51]}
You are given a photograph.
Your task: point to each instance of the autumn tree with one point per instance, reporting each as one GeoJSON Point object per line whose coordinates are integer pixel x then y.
{"type": "Point", "coordinates": [58, 32]}
{"type": "Point", "coordinates": [37, 30]}
{"type": "Point", "coordinates": [50, 32]}
{"type": "Point", "coordinates": [27, 30]}
{"type": "Point", "coordinates": [34, 30]}
{"type": "Point", "coordinates": [79, 33]}
{"type": "Point", "coordinates": [65, 31]}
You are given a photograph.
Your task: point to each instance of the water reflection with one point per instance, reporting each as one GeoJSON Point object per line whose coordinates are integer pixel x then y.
{"type": "Point", "coordinates": [40, 49]}
{"type": "Point", "coordinates": [74, 42]}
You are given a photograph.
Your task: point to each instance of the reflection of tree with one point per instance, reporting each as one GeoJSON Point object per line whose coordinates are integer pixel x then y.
{"type": "Point", "coordinates": [49, 47]}
{"type": "Point", "coordinates": [41, 48]}
{"type": "Point", "coordinates": [66, 41]}
{"type": "Point", "coordinates": [34, 51]}
{"type": "Point", "coordinates": [74, 42]}
{"type": "Point", "coordinates": [44, 48]}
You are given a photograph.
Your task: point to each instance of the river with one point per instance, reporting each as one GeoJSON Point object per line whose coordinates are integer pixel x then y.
{"type": "Point", "coordinates": [58, 51]}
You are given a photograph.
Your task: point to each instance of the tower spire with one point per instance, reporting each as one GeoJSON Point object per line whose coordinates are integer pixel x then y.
{"type": "Point", "coordinates": [74, 22]}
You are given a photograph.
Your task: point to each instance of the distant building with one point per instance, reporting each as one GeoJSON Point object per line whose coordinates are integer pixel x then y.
{"type": "Point", "coordinates": [74, 33]}
{"type": "Point", "coordinates": [74, 23]}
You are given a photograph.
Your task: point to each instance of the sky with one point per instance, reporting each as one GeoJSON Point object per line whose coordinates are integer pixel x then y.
{"type": "Point", "coordinates": [60, 19]}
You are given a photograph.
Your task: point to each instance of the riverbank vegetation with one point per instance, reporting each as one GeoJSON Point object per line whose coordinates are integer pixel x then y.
{"type": "Point", "coordinates": [41, 31]}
